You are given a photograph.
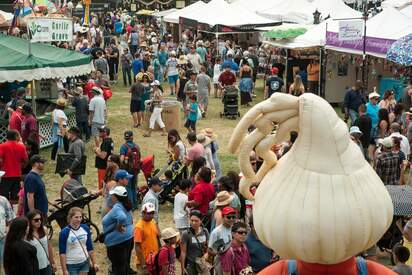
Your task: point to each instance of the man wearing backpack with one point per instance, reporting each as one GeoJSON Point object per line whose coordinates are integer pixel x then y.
{"type": "Point", "coordinates": [130, 160]}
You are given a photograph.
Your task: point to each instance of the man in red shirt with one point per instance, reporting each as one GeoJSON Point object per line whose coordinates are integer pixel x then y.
{"type": "Point", "coordinates": [227, 78]}
{"type": "Point", "coordinates": [29, 128]}
{"type": "Point", "coordinates": [16, 117]}
{"type": "Point", "coordinates": [203, 193]}
{"type": "Point", "coordinates": [13, 157]}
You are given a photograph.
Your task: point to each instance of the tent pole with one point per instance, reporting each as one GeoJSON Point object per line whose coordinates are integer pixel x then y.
{"type": "Point", "coordinates": [217, 42]}
{"type": "Point", "coordinates": [320, 72]}
{"type": "Point", "coordinates": [286, 69]}
{"type": "Point", "coordinates": [33, 97]}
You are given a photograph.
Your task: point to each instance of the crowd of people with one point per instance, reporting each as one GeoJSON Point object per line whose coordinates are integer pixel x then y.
{"type": "Point", "coordinates": [213, 224]}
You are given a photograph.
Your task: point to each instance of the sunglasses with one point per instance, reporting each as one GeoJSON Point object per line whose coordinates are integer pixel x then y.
{"type": "Point", "coordinates": [231, 217]}
{"type": "Point", "coordinates": [242, 232]}
{"type": "Point", "coordinates": [37, 220]}
{"type": "Point", "coordinates": [149, 213]}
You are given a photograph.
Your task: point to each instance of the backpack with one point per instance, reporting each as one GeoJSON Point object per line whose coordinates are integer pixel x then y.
{"type": "Point", "coordinates": [132, 159]}
{"type": "Point", "coordinates": [361, 266]}
{"type": "Point", "coordinates": [152, 262]}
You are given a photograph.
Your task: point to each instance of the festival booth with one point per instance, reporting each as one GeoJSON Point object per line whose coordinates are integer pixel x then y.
{"type": "Point", "coordinates": [302, 11]}
{"type": "Point", "coordinates": [42, 65]}
{"type": "Point", "coordinates": [344, 57]}
{"type": "Point", "coordinates": [237, 19]}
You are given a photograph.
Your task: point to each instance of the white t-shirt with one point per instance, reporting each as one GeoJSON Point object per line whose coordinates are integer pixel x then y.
{"type": "Point", "coordinates": [216, 73]}
{"type": "Point", "coordinates": [171, 65]}
{"type": "Point", "coordinates": [180, 214]}
{"type": "Point", "coordinates": [57, 114]}
{"type": "Point", "coordinates": [98, 105]}
{"type": "Point", "coordinates": [182, 150]}
{"type": "Point", "coordinates": [220, 239]}
{"type": "Point", "coordinates": [41, 246]}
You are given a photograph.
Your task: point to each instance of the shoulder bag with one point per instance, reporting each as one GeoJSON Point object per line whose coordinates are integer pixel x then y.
{"type": "Point", "coordinates": [91, 268]}
{"type": "Point", "coordinates": [45, 251]}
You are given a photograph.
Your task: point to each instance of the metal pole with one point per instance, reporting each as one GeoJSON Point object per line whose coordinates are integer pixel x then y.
{"type": "Point", "coordinates": [364, 63]}
{"type": "Point", "coordinates": [33, 86]}
{"type": "Point", "coordinates": [320, 71]}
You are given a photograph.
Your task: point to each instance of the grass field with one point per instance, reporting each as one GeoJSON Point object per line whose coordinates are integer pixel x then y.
{"type": "Point", "coordinates": [119, 121]}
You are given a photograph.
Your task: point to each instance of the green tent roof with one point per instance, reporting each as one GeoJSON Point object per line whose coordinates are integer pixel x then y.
{"type": "Point", "coordinates": [45, 61]}
{"type": "Point", "coordinates": [285, 33]}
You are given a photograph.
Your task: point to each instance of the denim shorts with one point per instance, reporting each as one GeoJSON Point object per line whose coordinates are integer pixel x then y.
{"type": "Point", "coordinates": [75, 269]}
{"type": "Point", "coordinates": [173, 78]}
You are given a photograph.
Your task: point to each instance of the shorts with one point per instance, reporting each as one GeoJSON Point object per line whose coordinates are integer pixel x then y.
{"type": "Point", "coordinates": [173, 78]}
{"type": "Point", "coordinates": [190, 124]}
{"type": "Point", "coordinates": [9, 188]}
{"type": "Point", "coordinates": [135, 106]}
{"type": "Point", "coordinates": [95, 128]}
{"type": "Point", "coordinates": [75, 269]}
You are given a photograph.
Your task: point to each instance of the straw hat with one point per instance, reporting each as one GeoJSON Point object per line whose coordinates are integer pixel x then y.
{"type": "Point", "coordinates": [209, 133]}
{"type": "Point", "coordinates": [223, 198]}
{"type": "Point", "coordinates": [61, 101]}
{"type": "Point", "coordinates": [169, 233]}
{"type": "Point", "coordinates": [203, 139]}
{"type": "Point", "coordinates": [182, 60]}
{"type": "Point", "coordinates": [143, 44]}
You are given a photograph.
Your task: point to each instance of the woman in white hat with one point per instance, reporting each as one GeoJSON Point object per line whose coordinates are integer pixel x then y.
{"type": "Point", "coordinates": [205, 141]}
{"type": "Point", "coordinates": [59, 130]}
{"type": "Point", "coordinates": [156, 116]}
{"type": "Point", "coordinates": [167, 255]}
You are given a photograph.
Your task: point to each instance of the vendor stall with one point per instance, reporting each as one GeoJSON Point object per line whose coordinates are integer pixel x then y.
{"type": "Point", "coordinates": [43, 65]}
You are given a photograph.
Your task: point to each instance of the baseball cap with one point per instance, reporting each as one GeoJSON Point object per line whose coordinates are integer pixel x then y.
{"type": "Point", "coordinates": [122, 174]}
{"type": "Point", "coordinates": [355, 130]}
{"type": "Point", "coordinates": [128, 134]}
{"type": "Point", "coordinates": [148, 207]}
{"type": "Point", "coordinates": [97, 90]}
{"type": "Point", "coordinates": [275, 70]}
{"type": "Point", "coordinates": [104, 128]}
{"type": "Point", "coordinates": [228, 210]}
{"type": "Point", "coordinates": [119, 191]}
{"type": "Point", "coordinates": [36, 159]}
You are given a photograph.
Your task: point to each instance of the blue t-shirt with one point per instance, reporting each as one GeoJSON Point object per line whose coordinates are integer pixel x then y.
{"type": "Point", "coordinates": [137, 66]}
{"type": "Point", "coordinates": [163, 56]}
{"type": "Point", "coordinates": [372, 112]}
{"type": "Point", "coordinates": [202, 52]}
{"type": "Point", "coordinates": [123, 148]}
{"type": "Point", "coordinates": [118, 27]}
{"type": "Point", "coordinates": [118, 215]}
{"type": "Point", "coordinates": [233, 65]}
{"type": "Point", "coordinates": [193, 115]}
{"type": "Point", "coordinates": [33, 183]}
{"type": "Point", "coordinates": [260, 255]}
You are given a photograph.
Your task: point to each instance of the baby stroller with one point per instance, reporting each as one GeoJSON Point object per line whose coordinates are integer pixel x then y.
{"type": "Point", "coordinates": [73, 194]}
{"type": "Point", "coordinates": [230, 102]}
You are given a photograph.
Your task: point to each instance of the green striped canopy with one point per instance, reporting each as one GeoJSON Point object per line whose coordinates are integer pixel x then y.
{"type": "Point", "coordinates": [284, 33]}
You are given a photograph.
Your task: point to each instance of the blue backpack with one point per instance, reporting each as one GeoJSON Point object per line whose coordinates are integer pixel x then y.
{"type": "Point", "coordinates": [360, 264]}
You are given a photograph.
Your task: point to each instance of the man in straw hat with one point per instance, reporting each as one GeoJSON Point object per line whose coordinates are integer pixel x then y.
{"type": "Point", "coordinates": [167, 255]}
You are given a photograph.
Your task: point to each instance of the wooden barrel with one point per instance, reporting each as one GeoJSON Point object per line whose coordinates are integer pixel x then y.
{"type": "Point", "coordinates": [171, 115]}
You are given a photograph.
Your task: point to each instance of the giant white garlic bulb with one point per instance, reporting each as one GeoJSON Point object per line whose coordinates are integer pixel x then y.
{"type": "Point", "coordinates": [321, 202]}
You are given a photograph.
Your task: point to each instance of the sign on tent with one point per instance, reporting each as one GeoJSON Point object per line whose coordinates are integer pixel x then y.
{"type": "Point", "coordinates": [50, 29]}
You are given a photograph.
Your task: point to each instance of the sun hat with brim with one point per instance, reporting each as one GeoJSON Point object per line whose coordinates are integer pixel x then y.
{"type": "Point", "coordinates": [61, 101]}
{"type": "Point", "coordinates": [209, 133]}
{"type": "Point", "coordinates": [155, 83]}
{"type": "Point", "coordinates": [203, 139]}
{"type": "Point", "coordinates": [373, 95]}
{"type": "Point", "coordinates": [169, 233]}
{"type": "Point", "coordinates": [386, 142]}
{"type": "Point", "coordinates": [119, 191]}
{"type": "Point", "coordinates": [143, 44]}
{"type": "Point", "coordinates": [228, 210]}
{"type": "Point", "coordinates": [223, 198]}
{"type": "Point", "coordinates": [355, 130]}
{"type": "Point", "coordinates": [148, 207]}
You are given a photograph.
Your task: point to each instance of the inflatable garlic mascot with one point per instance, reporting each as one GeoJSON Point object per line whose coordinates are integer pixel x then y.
{"type": "Point", "coordinates": [321, 203]}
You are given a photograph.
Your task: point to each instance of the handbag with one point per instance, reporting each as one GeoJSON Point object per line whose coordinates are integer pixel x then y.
{"type": "Point", "coordinates": [91, 268]}
{"type": "Point", "coordinates": [202, 266]}
{"type": "Point", "coordinates": [47, 254]}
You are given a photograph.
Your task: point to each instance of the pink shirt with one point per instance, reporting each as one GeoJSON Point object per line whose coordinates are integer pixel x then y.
{"type": "Point", "coordinates": [235, 259]}
{"type": "Point", "coordinates": [195, 151]}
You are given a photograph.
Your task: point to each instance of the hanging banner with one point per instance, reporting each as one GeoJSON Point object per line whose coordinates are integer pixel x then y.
{"type": "Point", "coordinates": [350, 30]}
{"type": "Point", "coordinates": [50, 29]}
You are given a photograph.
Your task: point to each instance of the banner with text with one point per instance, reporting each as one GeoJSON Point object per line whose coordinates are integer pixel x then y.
{"type": "Point", "coordinates": [350, 30]}
{"type": "Point", "coordinates": [50, 29]}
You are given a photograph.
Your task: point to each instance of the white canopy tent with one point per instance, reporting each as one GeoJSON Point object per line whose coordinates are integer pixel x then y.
{"type": "Point", "coordinates": [379, 27]}
{"type": "Point", "coordinates": [314, 37]}
{"type": "Point", "coordinates": [396, 3]}
{"type": "Point", "coordinates": [257, 4]}
{"type": "Point", "coordinates": [219, 12]}
{"type": "Point", "coordinates": [174, 16]}
{"type": "Point", "coordinates": [301, 11]}
{"type": "Point", "coordinates": [164, 13]}
{"type": "Point", "coordinates": [407, 11]}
